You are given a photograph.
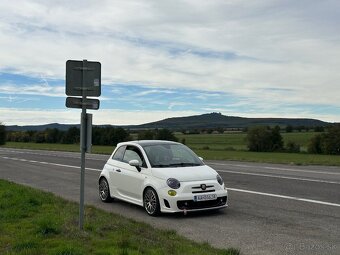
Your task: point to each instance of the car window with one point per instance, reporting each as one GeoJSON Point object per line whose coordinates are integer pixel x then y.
{"type": "Point", "coordinates": [119, 153]}
{"type": "Point", "coordinates": [133, 153]}
{"type": "Point", "coordinates": [171, 155]}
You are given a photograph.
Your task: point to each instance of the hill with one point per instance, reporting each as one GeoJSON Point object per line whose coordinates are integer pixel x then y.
{"type": "Point", "coordinates": [203, 121]}
{"type": "Point", "coordinates": [217, 120]}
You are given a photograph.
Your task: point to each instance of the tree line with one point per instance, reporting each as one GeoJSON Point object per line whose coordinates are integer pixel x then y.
{"type": "Point", "coordinates": [100, 135]}
{"type": "Point", "coordinates": [266, 139]}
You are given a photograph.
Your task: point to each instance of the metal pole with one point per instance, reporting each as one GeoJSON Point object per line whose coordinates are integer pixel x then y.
{"type": "Point", "coordinates": [83, 150]}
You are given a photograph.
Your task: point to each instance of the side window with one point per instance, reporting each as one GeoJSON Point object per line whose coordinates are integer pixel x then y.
{"type": "Point", "coordinates": [132, 153]}
{"type": "Point", "coordinates": [119, 153]}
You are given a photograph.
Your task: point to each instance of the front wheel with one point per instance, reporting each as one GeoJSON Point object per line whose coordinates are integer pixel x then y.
{"type": "Point", "coordinates": [151, 202]}
{"type": "Point", "coordinates": [104, 191]}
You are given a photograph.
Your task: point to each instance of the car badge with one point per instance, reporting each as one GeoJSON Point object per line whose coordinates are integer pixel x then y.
{"type": "Point", "coordinates": [203, 186]}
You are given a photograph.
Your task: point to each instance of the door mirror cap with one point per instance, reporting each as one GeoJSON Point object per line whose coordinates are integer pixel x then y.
{"type": "Point", "coordinates": [136, 164]}
{"type": "Point", "coordinates": [200, 158]}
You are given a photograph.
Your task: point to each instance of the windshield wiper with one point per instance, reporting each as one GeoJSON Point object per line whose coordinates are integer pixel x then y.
{"type": "Point", "coordinates": [185, 164]}
{"type": "Point", "coordinates": [160, 165]}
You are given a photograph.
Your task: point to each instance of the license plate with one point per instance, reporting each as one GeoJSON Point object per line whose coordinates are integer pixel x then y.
{"type": "Point", "coordinates": [205, 197]}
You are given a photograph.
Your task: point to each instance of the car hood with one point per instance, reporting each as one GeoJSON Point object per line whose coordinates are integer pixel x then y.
{"type": "Point", "coordinates": [193, 173]}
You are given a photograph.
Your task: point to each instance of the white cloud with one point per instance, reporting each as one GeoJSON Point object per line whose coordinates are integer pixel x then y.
{"type": "Point", "coordinates": [70, 116]}
{"type": "Point", "coordinates": [245, 48]}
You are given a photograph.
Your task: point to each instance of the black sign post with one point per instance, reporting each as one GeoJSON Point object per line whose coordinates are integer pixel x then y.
{"type": "Point", "coordinates": [83, 78]}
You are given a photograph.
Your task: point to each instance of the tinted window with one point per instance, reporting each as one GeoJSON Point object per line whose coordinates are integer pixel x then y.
{"type": "Point", "coordinates": [133, 153]}
{"type": "Point", "coordinates": [171, 155]}
{"type": "Point", "coordinates": [119, 153]}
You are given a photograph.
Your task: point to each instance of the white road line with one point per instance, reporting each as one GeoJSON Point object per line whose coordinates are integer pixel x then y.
{"type": "Point", "coordinates": [285, 197]}
{"type": "Point", "coordinates": [49, 163]}
{"type": "Point", "coordinates": [54, 154]}
{"type": "Point", "coordinates": [277, 168]}
{"type": "Point", "coordinates": [232, 189]}
{"type": "Point", "coordinates": [278, 176]}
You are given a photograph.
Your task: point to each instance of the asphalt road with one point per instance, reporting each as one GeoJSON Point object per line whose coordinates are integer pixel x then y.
{"type": "Point", "coordinates": [273, 209]}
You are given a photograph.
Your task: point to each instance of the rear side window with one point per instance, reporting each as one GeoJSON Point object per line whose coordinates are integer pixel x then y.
{"type": "Point", "coordinates": [119, 153]}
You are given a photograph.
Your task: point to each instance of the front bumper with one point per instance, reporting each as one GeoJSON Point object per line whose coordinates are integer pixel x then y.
{"type": "Point", "coordinates": [183, 201]}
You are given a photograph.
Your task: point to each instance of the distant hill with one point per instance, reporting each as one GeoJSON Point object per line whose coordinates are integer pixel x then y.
{"type": "Point", "coordinates": [215, 120]}
{"type": "Point", "coordinates": [204, 121]}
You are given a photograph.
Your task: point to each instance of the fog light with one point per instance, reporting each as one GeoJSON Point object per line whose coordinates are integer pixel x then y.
{"type": "Point", "coordinates": [172, 193]}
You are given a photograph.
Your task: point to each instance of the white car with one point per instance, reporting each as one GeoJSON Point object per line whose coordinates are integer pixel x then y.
{"type": "Point", "coordinates": [162, 176]}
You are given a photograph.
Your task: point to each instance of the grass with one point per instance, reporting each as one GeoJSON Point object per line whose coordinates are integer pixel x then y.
{"type": "Point", "coordinates": [35, 222]}
{"type": "Point", "coordinates": [230, 146]}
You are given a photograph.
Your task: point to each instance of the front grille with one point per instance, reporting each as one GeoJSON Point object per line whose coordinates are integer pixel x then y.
{"type": "Point", "coordinates": [198, 189]}
{"type": "Point", "coordinates": [203, 191]}
{"type": "Point", "coordinates": [191, 204]}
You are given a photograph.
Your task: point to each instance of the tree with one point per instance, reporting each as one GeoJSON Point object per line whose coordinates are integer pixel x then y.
{"type": "Point", "coordinates": [146, 135]}
{"type": "Point", "coordinates": [331, 140]}
{"type": "Point", "coordinates": [315, 145]}
{"type": "Point", "coordinates": [261, 138]}
{"type": "Point", "coordinates": [165, 134]}
{"type": "Point", "coordinates": [289, 128]}
{"type": "Point", "coordinates": [2, 134]}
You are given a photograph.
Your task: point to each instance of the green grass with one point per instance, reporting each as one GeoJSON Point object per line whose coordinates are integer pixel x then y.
{"type": "Point", "coordinates": [33, 222]}
{"type": "Point", "coordinates": [237, 141]}
{"type": "Point", "coordinates": [271, 157]}
{"type": "Point", "coordinates": [230, 146]}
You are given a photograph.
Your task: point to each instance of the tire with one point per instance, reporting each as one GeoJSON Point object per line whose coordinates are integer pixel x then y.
{"type": "Point", "coordinates": [104, 191]}
{"type": "Point", "coordinates": [151, 202]}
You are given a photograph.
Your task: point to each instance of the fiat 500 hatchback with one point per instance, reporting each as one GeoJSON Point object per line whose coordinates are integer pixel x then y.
{"type": "Point", "coordinates": [161, 176]}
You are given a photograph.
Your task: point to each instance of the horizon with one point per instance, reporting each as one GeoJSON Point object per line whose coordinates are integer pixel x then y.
{"type": "Point", "coordinates": [71, 124]}
{"type": "Point", "coordinates": [259, 59]}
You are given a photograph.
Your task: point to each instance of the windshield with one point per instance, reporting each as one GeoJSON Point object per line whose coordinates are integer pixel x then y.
{"type": "Point", "coordinates": [171, 155]}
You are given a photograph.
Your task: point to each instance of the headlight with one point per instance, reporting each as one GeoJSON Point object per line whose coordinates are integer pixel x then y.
{"type": "Point", "coordinates": [173, 183]}
{"type": "Point", "coordinates": [219, 179]}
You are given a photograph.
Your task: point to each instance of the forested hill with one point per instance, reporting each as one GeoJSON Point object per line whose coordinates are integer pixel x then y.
{"type": "Point", "coordinates": [215, 120]}
{"type": "Point", "coordinates": [204, 121]}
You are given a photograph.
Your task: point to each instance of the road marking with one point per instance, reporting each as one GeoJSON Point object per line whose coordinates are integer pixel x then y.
{"type": "Point", "coordinates": [49, 163]}
{"type": "Point", "coordinates": [276, 168]}
{"type": "Point", "coordinates": [232, 189]}
{"type": "Point", "coordinates": [279, 176]}
{"type": "Point", "coordinates": [285, 197]}
{"type": "Point", "coordinates": [56, 154]}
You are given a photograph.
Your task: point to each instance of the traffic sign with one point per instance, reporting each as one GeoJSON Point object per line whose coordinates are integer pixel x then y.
{"type": "Point", "coordinates": [77, 102]}
{"type": "Point", "coordinates": [83, 78]}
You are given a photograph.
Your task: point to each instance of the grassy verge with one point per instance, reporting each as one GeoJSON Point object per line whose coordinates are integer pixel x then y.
{"type": "Point", "coordinates": [271, 157]}
{"type": "Point", "coordinates": [35, 222]}
{"type": "Point", "coordinates": [208, 154]}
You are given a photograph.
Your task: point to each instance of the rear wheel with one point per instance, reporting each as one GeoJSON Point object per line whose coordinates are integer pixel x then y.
{"type": "Point", "coordinates": [151, 202]}
{"type": "Point", "coordinates": [104, 191]}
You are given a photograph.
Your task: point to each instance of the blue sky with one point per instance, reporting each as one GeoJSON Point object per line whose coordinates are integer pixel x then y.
{"type": "Point", "coordinates": [164, 59]}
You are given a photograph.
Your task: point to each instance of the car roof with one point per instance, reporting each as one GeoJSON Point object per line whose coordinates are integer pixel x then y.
{"type": "Point", "coordinates": [147, 142]}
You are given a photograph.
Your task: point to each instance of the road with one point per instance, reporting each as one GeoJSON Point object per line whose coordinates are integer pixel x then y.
{"type": "Point", "coordinates": [273, 209]}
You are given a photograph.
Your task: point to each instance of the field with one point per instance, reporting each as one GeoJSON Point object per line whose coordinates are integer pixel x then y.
{"type": "Point", "coordinates": [230, 146]}
{"type": "Point", "coordinates": [237, 141]}
{"type": "Point", "coordinates": [35, 222]}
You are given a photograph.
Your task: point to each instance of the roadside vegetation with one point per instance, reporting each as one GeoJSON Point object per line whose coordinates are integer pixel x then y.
{"type": "Point", "coordinates": [35, 222]}
{"type": "Point", "coordinates": [289, 145]}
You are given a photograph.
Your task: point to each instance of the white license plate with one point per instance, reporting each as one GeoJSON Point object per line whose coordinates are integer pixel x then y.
{"type": "Point", "coordinates": [205, 197]}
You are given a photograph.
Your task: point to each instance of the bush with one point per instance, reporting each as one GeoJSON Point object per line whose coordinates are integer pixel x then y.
{"type": "Point", "coordinates": [262, 138]}
{"type": "Point", "coordinates": [2, 134]}
{"type": "Point", "coordinates": [327, 143]}
{"type": "Point", "coordinates": [292, 147]}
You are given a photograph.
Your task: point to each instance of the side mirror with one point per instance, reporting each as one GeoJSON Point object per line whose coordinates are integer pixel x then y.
{"type": "Point", "coordinates": [136, 164]}
{"type": "Point", "coordinates": [200, 158]}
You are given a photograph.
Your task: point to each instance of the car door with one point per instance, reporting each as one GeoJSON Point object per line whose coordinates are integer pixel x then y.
{"type": "Point", "coordinates": [114, 166]}
{"type": "Point", "coordinates": [131, 181]}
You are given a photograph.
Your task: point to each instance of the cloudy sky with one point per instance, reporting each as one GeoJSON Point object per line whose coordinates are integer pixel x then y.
{"type": "Point", "coordinates": [258, 58]}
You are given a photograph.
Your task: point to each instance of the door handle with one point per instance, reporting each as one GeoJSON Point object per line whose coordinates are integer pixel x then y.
{"type": "Point", "coordinates": [118, 170]}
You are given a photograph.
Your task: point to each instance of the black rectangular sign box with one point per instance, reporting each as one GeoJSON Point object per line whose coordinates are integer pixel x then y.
{"type": "Point", "coordinates": [76, 102]}
{"type": "Point", "coordinates": [83, 76]}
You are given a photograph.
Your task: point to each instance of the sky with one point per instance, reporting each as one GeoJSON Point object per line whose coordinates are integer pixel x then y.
{"type": "Point", "coordinates": [161, 59]}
